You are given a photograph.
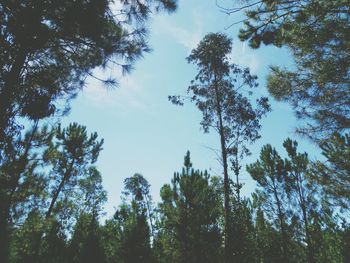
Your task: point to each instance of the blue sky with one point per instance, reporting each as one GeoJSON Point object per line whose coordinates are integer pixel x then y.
{"type": "Point", "coordinates": [144, 133]}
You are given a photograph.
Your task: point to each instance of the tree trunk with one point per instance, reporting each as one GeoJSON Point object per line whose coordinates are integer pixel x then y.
{"type": "Point", "coordinates": [302, 203]}
{"type": "Point", "coordinates": [6, 197]}
{"type": "Point", "coordinates": [226, 178]}
{"type": "Point", "coordinates": [8, 91]}
{"type": "Point", "coordinates": [236, 170]}
{"type": "Point", "coordinates": [59, 189]}
{"type": "Point", "coordinates": [4, 229]}
{"type": "Point", "coordinates": [282, 225]}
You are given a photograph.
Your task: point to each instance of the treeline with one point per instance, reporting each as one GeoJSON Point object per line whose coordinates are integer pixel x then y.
{"type": "Point", "coordinates": [51, 194]}
{"type": "Point", "coordinates": [287, 219]}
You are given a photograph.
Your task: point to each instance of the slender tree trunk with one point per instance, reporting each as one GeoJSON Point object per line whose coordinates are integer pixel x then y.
{"type": "Point", "coordinates": [282, 225]}
{"type": "Point", "coordinates": [226, 178]}
{"type": "Point", "coordinates": [4, 228]}
{"type": "Point", "coordinates": [236, 170]}
{"type": "Point", "coordinates": [302, 203]}
{"type": "Point", "coordinates": [226, 202]}
{"type": "Point", "coordinates": [59, 189]}
{"type": "Point", "coordinates": [150, 215]}
{"type": "Point", "coordinates": [49, 211]}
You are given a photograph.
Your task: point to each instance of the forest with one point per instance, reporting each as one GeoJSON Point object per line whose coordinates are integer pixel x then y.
{"type": "Point", "coordinates": [52, 195]}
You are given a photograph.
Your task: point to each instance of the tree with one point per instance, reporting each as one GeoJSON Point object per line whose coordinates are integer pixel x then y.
{"type": "Point", "coordinates": [316, 33]}
{"type": "Point", "coordinates": [135, 239]}
{"type": "Point", "coordinates": [48, 48]}
{"type": "Point", "coordinates": [189, 218]}
{"type": "Point", "coordinates": [242, 232]}
{"type": "Point", "coordinates": [111, 233]}
{"type": "Point", "coordinates": [270, 174]}
{"type": "Point", "coordinates": [86, 244]}
{"type": "Point", "coordinates": [311, 219]}
{"type": "Point", "coordinates": [22, 183]}
{"type": "Point", "coordinates": [53, 164]}
{"type": "Point", "coordinates": [218, 92]}
{"type": "Point", "coordinates": [126, 236]}
{"type": "Point", "coordinates": [71, 156]}
{"type": "Point", "coordinates": [132, 217]}
{"type": "Point", "coordinates": [302, 192]}
{"type": "Point", "coordinates": [54, 247]}
{"type": "Point", "coordinates": [139, 189]}
{"type": "Point", "coordinates": [267, 238]}
{"type": "Point", "coordinates": [24, 243]}
{"type": "Point", "coordinates": [333, 174]}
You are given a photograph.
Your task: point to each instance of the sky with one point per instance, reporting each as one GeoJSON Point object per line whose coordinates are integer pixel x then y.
{"type": "Point", "coordinates": [144, 133]}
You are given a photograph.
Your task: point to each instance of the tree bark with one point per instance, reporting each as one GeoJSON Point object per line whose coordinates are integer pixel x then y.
{"type": "Point", "coordinates": [282, 224]}
{"type": "Point", "coordinates": [7, 93]}
{"type": "Point", "coordinates": [226, 178]}
{"type": "Point", "coordinates": [59, 189]}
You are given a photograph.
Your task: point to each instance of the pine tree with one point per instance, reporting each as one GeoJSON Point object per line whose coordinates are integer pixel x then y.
{"type": "Point", "coordinates": [189, 216]}
{"type": "Point", "coordinates": [270, 174]}
{"type": "Point", "coordinates": [217, 92]}
{"type": "Point", "coordinates": [316, 34]}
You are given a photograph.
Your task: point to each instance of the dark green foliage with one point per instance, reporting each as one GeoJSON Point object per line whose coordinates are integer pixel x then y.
{"type": "Point", "coordinates": [71, 156]}
{"type": "Point", "coordinates": [295, 206]}
{"type": "Point", "coordinates": [242, 232]}
{"type": "Point", "coordinates": [133, 217]}
{"type": "Point", "coordinates": [48, 48]}
{"type": "Point", "coordinates": [47, 51]}
{"type": "Point", "coordinates": [24, 242]}
{"type": "Point", "coordinates": [346, 244]}
{"type": "Point", "coordinates": [189, 217]}
{"type": "Point", "coordinates": [189, 221]}
{"type": "Point", "coordinates": [111, 233]}
{"type": "Point", "coordinates": [22, 183]}
{"type": "Point", "coordinates": [267, 239]}
{"type": "Point", "coordinates": [86, 245]}
{"type": "Point", "coordinates": [317, 34]}
{"type": "Point", "coordinates": [47, 167]}
{"type": "Point", "coordinates": [138, 188]}
{"type": "Point", "coordinates": [54, 245]}
{"type": "Point", "coordinates": [334, 174]}
{"type": "Point", "coordinates": [135, 240]}
{"type": "Point", "coordinates": [270, 174]}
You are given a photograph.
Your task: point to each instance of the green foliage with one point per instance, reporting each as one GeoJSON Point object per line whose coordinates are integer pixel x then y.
{"type": "Point", "coordinates": [242, 232]}
{"type": "Point", "coordinates": [53, 177]}
{"type": "Point", "coordinates": [316, 32]}
{"type": "Point", "coordinates": [333, 174]}
{"type": "Point", "coordinates": [267, 239]}
{"type": "Point", "coordinates": [189, 217]}
{"type": "Point", "coordinates": [111, 233]}
{"type": "Point", "coordinates": [133, 218]}
{"type": "Point", "coordinates": [71, 156]}
{"type": "Point", "coordinates": [24, 242]}
{"type": "Point", "coordinates": [48, 48]}
{"type": "Point", "coordinates": [54, 245]}
{"type": "Point", "coordinates": [135, 241]}
{"type": "Point", "coordinates": [219, 91]}
{"type": "Point", "coordinates": [86, 244]}
{"type": "Point", "coordinates": [295, 206]}
{"type": "Point", "coordinates": [270, 174]}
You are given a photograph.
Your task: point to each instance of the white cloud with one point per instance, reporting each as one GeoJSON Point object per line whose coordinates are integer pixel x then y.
{"type": "Point", "coordinates": [128, 95]}
{"type": "Point", "coordinates": [241, 55]}
{"type": "Point", "coordinates": [188, 36]}
{"type": "Point", "coordinates": [184, 37]}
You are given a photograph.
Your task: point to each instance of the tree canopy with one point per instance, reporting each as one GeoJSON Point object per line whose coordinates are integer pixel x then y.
{"type": "Point", "coordinates": [316, 33]}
